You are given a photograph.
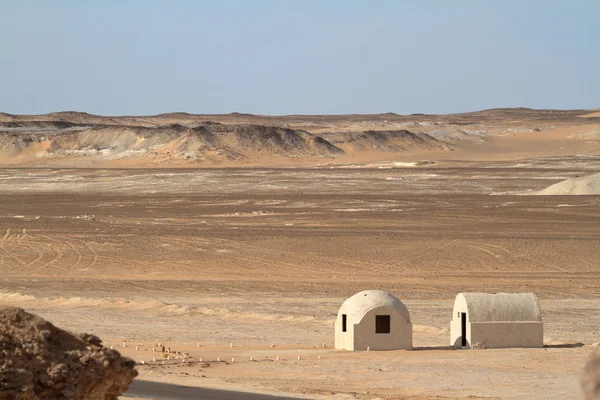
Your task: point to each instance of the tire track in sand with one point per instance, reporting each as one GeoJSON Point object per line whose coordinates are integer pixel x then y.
{"type": "Point", "coordinates": [522, 257]}
{"type": "Point", "coordinates": [11, 256]}
{"type": "Point", "coordinates": [256, 249]}
{"type": "Point", "coordinates": [484, 250]}
{"type": "Point", "coordinates": [422, 253]}
{"type": "Point", "coordinates": [39, 256]}
{"type": "Point", "coordinates": [435, 245]}
{"type": "Point", "coordinates": [79, 256]}
{"type": "Point", "coordinates": [58, 255]}
{"type": "Point", "coordinates": [279, 265]}
{"type": "Point", "coordinates": [93, 254]}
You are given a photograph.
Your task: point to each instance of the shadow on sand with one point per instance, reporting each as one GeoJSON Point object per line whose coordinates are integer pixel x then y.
{"type": "Point", "coordinates": [563, 346]}
{"type": "Point", "coordinates": [434, 348]}
{"type": "Point", "coordinates": [546, 346]}
{"type": "Point", "coordinates": [167, 391]}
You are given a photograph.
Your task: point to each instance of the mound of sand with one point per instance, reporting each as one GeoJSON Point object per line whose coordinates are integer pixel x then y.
{"type": "Point", "coordinates": [590, 380]}
{"type": "Point", "coordinates": [40, 361]}
{"type": "Point", "coordinates": [589, 184]}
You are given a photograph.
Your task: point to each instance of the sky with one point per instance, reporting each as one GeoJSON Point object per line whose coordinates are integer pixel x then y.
{"type": "Point", "coordinates": [143, 57]}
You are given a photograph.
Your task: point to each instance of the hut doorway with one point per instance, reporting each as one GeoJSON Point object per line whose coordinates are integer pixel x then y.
{"type": "Point", "coordinates": [463, 329]}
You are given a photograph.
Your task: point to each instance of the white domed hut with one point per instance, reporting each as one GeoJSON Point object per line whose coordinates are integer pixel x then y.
{"type": "Point", "coordinates": [373, 319]}
{"type": "Point", "coordinates": [496, 320]}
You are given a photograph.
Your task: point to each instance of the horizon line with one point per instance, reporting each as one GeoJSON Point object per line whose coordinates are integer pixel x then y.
{"type": "Point", "coordinates": [236, 113]}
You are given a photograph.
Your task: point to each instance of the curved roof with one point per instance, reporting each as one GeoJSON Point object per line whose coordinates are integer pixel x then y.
{"type": "Point", "coordinates": [357, 306]}
{"type": "Point", "coordinates": [488, 307]}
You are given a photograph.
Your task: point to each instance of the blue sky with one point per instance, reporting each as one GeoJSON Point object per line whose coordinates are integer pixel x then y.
{"type": "Point", "coordinates": [134, 57]}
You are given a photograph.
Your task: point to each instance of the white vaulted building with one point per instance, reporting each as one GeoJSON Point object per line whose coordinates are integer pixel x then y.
{"type": "Point", "coordinates": [373, 320]}
{"type": "Point", "coordinates": [496, 320]}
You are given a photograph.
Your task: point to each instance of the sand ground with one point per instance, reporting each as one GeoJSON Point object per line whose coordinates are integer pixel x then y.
{"type": "Point", "coordinates": [263, 257]}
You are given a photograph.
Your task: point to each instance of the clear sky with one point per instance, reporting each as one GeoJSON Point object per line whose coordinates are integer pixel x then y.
{"type": "Point", "coordinates": [132, 57]}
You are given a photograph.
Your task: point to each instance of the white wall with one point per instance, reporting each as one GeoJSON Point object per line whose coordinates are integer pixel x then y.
{"type": "Point", "coordinates": [361, 334]}
{"type": "Point", "coordinates": [507, 334]}
{"type": "Point", "coordinates": [344, 340]}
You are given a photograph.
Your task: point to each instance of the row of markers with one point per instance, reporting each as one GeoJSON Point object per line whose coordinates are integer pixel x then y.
{"type": "Point", "coordinates": [220, 360]}
{"type": "Point", "coordinates": [200, 360]}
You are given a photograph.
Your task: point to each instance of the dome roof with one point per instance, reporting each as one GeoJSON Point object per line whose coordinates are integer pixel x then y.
{"type": "Point", "coordinates": [361, 303]}
{"type": "Point", "coordinates": [488, 307]}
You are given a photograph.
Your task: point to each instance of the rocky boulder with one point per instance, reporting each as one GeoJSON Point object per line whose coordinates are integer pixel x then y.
{"type": "Point", "coordinates": [590, 380]}
{"type": "Point", "coordinates": [41, 361]}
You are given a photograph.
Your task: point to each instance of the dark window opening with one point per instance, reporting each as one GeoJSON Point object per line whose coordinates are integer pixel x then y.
{"type": "Point", "coordinates": [463, 329]}
{"type": "Point", "coordinates": [382, 324]}
{"type": "Point", "coordinates": [344, 319]}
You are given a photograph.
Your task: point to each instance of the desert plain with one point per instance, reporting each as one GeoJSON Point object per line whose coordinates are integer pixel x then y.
{"type": "Point", "coordinates": [242, 249]}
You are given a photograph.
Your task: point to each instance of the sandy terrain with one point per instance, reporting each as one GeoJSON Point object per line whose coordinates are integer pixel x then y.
{"type": "Point", "coordinates": [263, 256]}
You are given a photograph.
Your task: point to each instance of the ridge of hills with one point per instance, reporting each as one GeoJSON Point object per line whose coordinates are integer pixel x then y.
{"type": "Point", "coordinates": [208, 142]}
{"type": "Point", "coordinates": [211, 139]}
{"type": "Point", "coordinates": [488, 115]}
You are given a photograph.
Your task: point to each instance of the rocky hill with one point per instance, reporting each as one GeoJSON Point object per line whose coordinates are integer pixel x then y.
{"type": "Point", "coordinates": [391, 140]}
{"type": "Point", "coordinates": [209, 142]}
{"type": "Point", "coordinates": [90, 138]}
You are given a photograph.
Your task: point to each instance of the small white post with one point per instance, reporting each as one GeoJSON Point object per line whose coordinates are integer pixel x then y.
{"type": "Point", "coordinates": [299, 358]}
{"type": "Point", "coordinates": [368, 348]}
{"type": "Point", "coordinates": [218, 359]}
{"type": "Point", "coordinates": [233, 359]}
{"type": "Point", "coordinates": [137, 347]}
{"type": "Point", "coordinates": [277, 358]}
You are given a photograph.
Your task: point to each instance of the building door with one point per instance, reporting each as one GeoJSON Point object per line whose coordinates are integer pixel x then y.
{"type": "Point", "coordinates": [463, 329]}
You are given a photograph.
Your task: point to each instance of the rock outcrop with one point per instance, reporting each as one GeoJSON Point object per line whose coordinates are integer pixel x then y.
{"type": "Point", "coordinates": [41, 361]}
{"type": "Point", "coordinates": [208, 142]}
{"type": "Point", "coordinates": [590, 380]}
{"type": "Point", "coordinates": [392, 141]}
